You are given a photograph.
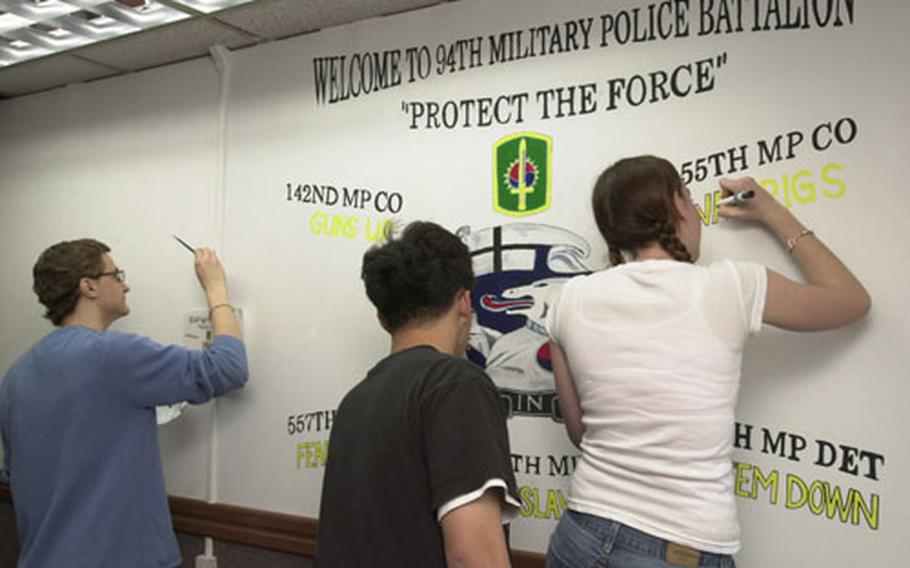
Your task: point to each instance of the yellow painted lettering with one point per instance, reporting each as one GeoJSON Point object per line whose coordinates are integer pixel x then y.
{"type": "Point", "coordinates": [839, 184]}
{"type": "Point", "coordinates": [349, 227]}
{"type": "Point", "coordinates": [528, 498]}
{"type": "Point", "coordinates": [859, 507]}
{"type": "Point", "coordinates": [774, 189]}
{"type": "Point", "coordinates": [786, 187]}
{"type": "Point", "coordinates": [716, 197]}
{"type": "Point", "coordinates": [552, 504]}
{"type": "Point", "coordinates": [794, 482]}
{"type": "Point", "coordinates": [742, 480]}
{"type": "Point", "coordinates": [317, 223]}
{"type": "Point", "coordinates": [322, 453]}
{"type": "Point", "coordinates": [705, 214]}
{"type": "Point", "coordinates": [538, 512]}
{"type": "Point", "coordinates": [817, 492]}
{"type": "Point", "coordinates": [767, 483]}
{"type": "Point", "coordinates": [803, 191]}
{"type": "Point", "coordinates": [836, 505]}
{"type": "Point", "coordinates": [379, 229]}
{"type": "Point", "coordinates": [301, 452]}
{"type": "Point", "coordinates": [310, 462]}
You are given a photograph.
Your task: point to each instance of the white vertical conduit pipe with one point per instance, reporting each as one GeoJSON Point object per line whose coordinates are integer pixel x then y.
{"type": "Point", "coordinates": [222, 60]}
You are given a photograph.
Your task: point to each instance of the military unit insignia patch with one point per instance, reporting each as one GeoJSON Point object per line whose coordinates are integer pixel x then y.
{"type": "Point", "coordinates": [521, 173]}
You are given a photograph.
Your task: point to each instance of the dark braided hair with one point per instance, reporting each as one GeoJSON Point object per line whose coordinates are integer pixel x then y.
{"type": "Point", "coordinates": [633, 207]}
{"type": "Point", "coordinates": [670, 242]}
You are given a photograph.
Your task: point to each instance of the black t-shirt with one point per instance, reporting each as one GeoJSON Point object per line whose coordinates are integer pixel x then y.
{"type": "Point", "coordinates": [420, 430]}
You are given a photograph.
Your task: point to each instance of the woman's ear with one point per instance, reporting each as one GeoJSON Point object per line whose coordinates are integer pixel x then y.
{"type": "Point", "coordinates": [682, 205]}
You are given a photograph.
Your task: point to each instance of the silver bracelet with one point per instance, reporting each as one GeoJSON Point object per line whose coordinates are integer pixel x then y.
{"type": "Point", "coordinates": [221, 305]}
{"type": "Point", "coordinates": [792, 242]}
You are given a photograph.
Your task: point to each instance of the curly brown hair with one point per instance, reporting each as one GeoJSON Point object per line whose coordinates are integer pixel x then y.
{"type": "Point", "coordinates": [633, 207]}
{"type": "Point", "coordinates": [58, 271]}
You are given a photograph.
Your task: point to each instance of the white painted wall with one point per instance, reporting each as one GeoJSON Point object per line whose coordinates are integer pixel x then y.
{"type": "Point", "coordinates": [134, 159]}
{"type": "Point", "coordinates": [128, 161]}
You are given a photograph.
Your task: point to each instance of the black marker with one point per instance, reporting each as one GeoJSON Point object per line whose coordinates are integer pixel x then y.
{"type": "Point", "coordinates": [188, 247]}
{"type": "Point", "coordinates": [737, 198]}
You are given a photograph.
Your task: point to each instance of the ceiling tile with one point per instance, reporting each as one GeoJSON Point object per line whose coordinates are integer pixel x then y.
{"type": "Point", "coordinates": [168, 44]}
{"type": "Point", "coordinates": [264, 20]}
{"type": "Point", "coordinates": [275, 19]}
{"type": "Point", "coordinates": [49, 72]}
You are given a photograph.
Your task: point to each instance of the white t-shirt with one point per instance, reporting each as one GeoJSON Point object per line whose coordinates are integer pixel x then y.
{"type": "Point", "coordinates": [655, 349]}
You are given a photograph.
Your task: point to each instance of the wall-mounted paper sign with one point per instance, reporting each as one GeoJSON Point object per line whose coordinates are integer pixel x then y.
{"type": "Point", "coordinates": [197, 334]}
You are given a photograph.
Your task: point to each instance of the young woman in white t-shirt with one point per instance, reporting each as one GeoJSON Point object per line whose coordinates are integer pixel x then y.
{"type": "Point", "coordinates": [647, 358]}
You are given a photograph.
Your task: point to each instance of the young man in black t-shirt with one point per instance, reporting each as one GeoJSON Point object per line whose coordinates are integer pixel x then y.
{"type": "Point", "coordinates": [419, 472]}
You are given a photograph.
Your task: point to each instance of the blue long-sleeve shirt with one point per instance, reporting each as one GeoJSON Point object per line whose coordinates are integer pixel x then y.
{"type": "Point", "coordinates": [77, 417]}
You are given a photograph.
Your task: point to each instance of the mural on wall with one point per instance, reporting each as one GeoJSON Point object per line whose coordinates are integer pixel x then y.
{"type": "Point", "coordinates": [494, 119]}
{"type": "Point", "coordinates": [496, 128]}
{"type": "Point", "coordinates": [520, 268]}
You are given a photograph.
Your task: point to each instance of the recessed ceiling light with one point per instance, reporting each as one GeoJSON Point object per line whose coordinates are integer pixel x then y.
{"type": "Point", "coordinates": [209, 6]}
{"type": "Point", "coordinates": [36, 28]}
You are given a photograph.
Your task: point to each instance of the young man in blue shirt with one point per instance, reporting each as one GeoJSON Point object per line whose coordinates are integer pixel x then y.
{"type": "Point", "coordinates": [77, 414]}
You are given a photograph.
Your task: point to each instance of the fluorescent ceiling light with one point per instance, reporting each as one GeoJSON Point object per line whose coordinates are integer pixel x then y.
{"type": "Point", "coordinates": [209, 6]}
{"type": "Point", "coordinates": [37, 28]}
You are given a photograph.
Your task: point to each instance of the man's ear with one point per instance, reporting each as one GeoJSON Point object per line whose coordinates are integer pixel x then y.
{"type": "Point", "coordinates": [463, 299]}
{"type": "Point", "coordinates": [88, 287]}
{"type": "Point", "coordinates": [383, 322]}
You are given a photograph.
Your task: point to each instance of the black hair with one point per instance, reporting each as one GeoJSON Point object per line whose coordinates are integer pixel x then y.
{"type": "Point", "coordinates": [417, 276]}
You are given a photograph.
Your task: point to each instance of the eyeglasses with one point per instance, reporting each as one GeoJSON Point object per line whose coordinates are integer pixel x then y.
{"type": "Point", "coordinates": [118, 275]}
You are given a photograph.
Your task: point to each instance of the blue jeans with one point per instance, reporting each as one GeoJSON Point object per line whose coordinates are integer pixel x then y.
{"type": "Point", "coordinates": [588, 541]}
